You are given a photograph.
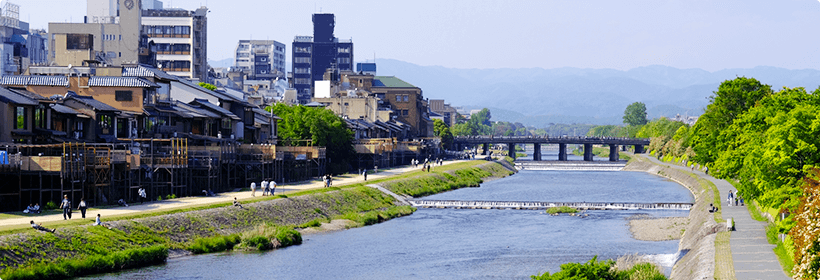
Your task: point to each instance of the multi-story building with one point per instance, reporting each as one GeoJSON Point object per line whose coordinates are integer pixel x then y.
{"type": "Point", "coordinates": [109, 36]}
{"type": "Point", "coordinates": [261, 59]}
{"type": "Point", "coordinates": [181, 39]}
{"type": "Point", "coordinates": [447, 112]}
{"type": "Point", "coordinates": [313, 56]}
{"type": "Point", "coordinates": [20, 46]}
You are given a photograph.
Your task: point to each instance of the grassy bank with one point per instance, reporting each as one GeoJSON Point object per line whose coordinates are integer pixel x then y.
{"type": "Point", "coordinates": [441, 181]}
{"type": "Point", "coordinates": [263, 223]}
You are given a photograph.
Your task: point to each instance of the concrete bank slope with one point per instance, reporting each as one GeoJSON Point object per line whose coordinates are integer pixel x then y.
{"type": "Point", "coordinates": [365, 205]}
{"type": "Point", "coordinates": [698, 241]}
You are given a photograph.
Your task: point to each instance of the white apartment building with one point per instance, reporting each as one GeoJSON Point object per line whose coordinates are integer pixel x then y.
{"type": "Point", "coordinates": [181, 39]}
{"type": "Point", "coordinates": [260, 59]}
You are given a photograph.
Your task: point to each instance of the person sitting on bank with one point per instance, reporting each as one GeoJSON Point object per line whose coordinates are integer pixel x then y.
{"type": "Point", "coordinates": [236, 203]}
{"type": "Point", "coordinates": [40, 227]}
{"type": "Point", "coordinates": [100, 223]}
{"type": "Point", "coordinates": [36, 208]}
{"type": "Point", "coordinates": [122, 203]}
{"type": "Point", "coordinates": [29, 209]}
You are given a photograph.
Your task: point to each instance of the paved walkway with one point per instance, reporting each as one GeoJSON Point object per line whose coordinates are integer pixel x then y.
{"type": "Point", "coordinates": [187, 202]}
{"type": "Point", "coordinates": [752, 254]}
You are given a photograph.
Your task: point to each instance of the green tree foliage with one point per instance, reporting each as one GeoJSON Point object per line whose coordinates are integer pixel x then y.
{"type": "Point", "coordinates": [443, 131]}
{"type": "Point", "coordinates": [321, 126]}
{"type": "Point", "coordinates": [603, 270]}
{"type": "Point", "coordinates": [559, 129]}
{"type": "Point", "coordinates": [478, 124]}
{"type": "Point", "coordinates": [771, 147]}
{"type": "Point", "coordinates": [207, 85]}
{"type": "Point", "coordinates": [509, 129]}
{"type": "Point", "coordinates": [614, 131]}
{"type": "Point", "coordinates": [732, 98]}
{"type": "Point", "coordinates": [635, 114]}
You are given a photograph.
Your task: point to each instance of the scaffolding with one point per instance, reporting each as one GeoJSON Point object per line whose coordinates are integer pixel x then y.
{"type": "Point", "coordinates": [164, 167]}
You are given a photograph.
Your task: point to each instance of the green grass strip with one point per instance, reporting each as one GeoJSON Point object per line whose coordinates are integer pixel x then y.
{"type": "Point", "coordinates": [62, 269]}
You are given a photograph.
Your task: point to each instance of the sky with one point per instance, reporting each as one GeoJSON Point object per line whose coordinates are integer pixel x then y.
{"type": "Point", "coordinates": [485, 34]}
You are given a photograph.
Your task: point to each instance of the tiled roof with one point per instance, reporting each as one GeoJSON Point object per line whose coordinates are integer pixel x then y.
{"type": "Point", "coordinates": [209, 105]}
{"type": "Point", "coordinates": [263, 112]}
{"type": "Point", "coordinates": [63, 109]}
{"type": "Point", "coordinates": [196, 111]}
{"type": "Point", "coordinates": [119, 82]}
{"type": "Point", "coordinates": [9, 96]}
{"type": "Point", "coordinates": [146, 72]}
{"type": "Point", "coordinates": [17, 80]}
{"type": "Point", "coordinates": [390, 81]}
{"type": "Point", "coordinates": [91, 102]}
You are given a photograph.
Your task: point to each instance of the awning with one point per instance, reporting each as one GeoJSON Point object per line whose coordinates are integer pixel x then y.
{"type": "Point", "coordinates": [49, 132]}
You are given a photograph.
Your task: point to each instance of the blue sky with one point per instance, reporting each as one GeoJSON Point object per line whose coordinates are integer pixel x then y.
{"type": "Point", "coordinates": [711, 35]}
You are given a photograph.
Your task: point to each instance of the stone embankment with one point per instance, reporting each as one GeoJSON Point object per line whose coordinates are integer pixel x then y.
{"type": "Point", "coordinates": [345, 207]}
{"type": "Point", "coordinates": [698, 241]}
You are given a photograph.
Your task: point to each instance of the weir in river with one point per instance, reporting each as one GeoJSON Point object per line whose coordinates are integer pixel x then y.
{"type": "Point", "coordinates": [535, 205]}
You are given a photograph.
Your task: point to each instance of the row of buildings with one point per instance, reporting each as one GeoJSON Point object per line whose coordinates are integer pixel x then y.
{"type": "Point", "coordinates": [99, 109]}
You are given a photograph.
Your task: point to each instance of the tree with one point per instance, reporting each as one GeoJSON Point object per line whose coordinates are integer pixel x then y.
{"type": "Point", "coordinates": [478, 124]}
{"type": "Point", "coordinates": [207, 85]}
{"type": "Point", "coordinates": [442, 131]}
{"type": "Point", "coordinates": [733, 98]}
{"type": "Point", "coordinates": [635, 114]}
{"type": "Point", "coordinates": [806, 232]}
{"type": "Point", "coordinates": [322, 127]}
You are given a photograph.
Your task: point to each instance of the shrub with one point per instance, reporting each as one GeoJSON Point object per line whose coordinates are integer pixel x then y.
{"type": "Point", "coordinates": [595, 269]}
{"type": "Point", "coordinates": [51, 205]}
{"type": "Point", "coordinates": [561, 209]}
{"type": "Point", "coordinates": [261, 243]}
{"type": "Point", "coordinates": [214, 244]}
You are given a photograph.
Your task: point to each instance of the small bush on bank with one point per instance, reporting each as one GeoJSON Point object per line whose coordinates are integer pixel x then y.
{"type": "Point", "coordinates": [561, 209]}
{"type": "Point", "coordinates": [594, 269]}
{"type": "Point", "coordinates": [63, 269]}
{"type": "Point", "coordinates": [261, 238]}
{"type": "Point", "coordinates": [260, 243]}
{"type": "Point", "coordinates": [214, 244]}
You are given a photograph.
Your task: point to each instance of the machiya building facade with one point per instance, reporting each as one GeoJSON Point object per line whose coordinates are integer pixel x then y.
{"type": "Point", "coordinates": [180, 38]}
{"type": "Point", "coordinates": [261, 59]}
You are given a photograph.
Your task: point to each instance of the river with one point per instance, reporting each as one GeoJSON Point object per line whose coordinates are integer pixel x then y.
{"type": "Point", "coordinates": [461, 243]}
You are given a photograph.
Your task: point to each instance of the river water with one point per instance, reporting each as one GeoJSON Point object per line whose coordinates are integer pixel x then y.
{"type": "Point", "coordinates": [461, 243]}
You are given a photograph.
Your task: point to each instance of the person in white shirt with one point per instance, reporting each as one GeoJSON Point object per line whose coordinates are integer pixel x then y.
{"type": "Point", "coordinates": [253, 188]}
{"type": "Point", "coordinates": [264, 188]}
{"type": "Point", "coordinates": [272, 187]}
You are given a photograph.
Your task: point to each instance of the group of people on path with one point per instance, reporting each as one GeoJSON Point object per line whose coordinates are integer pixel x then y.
{"type": "Point", "coordinates": [267, 187]}
{"type": "Point", "coordinates": [328, 180]}
{"type": "Point", "coordinates": [734, 197]}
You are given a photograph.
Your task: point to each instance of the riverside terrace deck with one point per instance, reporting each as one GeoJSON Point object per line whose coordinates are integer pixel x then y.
{"type": "Point", "coordinates": [562, 142]}
{"type": "Point", "coordinates": [536, 205]}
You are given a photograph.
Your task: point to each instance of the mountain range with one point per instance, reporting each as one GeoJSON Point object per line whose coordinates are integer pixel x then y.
{"type": "Point", "coordinates": [539, 97]}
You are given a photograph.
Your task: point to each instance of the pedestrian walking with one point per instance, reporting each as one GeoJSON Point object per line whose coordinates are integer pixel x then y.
{"type": "Point", "coordinates": [264, 188]}
{"type": "Point", "coordinates": [428, 168]}
{"type": "Point", "coordinates": [729, 198]}
{"type": "Point", "coordinates": [330, 180]}
{"type": "Point", "coordinates": [142, 195]}
{"type": "Point", "coordinates": [82, 207]}
{"type": "Point", "coordinates": [253, 188]}
{"type": "Point", "coordinates": [272, 186]}
{"type": "Point", "coordinates": [365, 174]}
{"type": "Point", "coordinates": [66, 206]}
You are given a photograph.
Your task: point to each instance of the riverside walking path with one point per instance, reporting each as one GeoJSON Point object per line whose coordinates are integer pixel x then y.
{"type": "Point", "coordinates": [752, 255]}
{"type": "Point", "coordinates": [188, 202]}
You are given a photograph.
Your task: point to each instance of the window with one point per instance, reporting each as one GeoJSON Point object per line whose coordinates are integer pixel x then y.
{"type": "Point", "coordinates": [344, 60]}
{"type": "Point", "coordinates": [226, 123]}
{"type": "Point", "coordinates": [406, 98]}
{"type": "Point", "coordinates": [40, 118]}
{"type": "Point", "coordinates": [302, 81]}
{"type": "Point", "coordinates": [302, 49]}
{"type": "Point", "coordinates": [104, 121]}
{"type": "Point", "coordinates": [302, 60]}
{"type": "Point", "coordinates": [398, 98]}
{"type": "Point", "coordinates": [344, 50]}
{"type": "Point", "coordinates": [404, 112]}
{"type": "Point", "coordinates": [302, 70]}
{"type": "Point", "coordinates": [123, 95]}
{"type": "Point", "coordinates": [79, 41]}
{"type": "Point", "coordinates": [20, 117]}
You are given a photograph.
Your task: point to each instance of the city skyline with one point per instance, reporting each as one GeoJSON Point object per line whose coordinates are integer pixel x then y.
{"type": "Point", "coordinates": [493, 34]}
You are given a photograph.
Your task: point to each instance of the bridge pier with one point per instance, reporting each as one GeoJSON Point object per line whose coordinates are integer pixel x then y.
{"type": "Point", "coordinates": [486, 147]}
{"type": "Point", "coordinates": [511, 150]}
{"type": "Point", "coordinates": [562, 152]}
{"type": "Point", "coordinates": [639, 149]}
{"type": "Point", "coordinates": [536, 154]}
{"type": "Point", "coordinates": [587, 152]}
{"type": "Point", "coordinates": [613, 153]}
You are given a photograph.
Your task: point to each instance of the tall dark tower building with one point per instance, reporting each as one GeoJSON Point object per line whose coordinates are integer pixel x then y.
{"type": "Point", "coordinates": [313, 56]}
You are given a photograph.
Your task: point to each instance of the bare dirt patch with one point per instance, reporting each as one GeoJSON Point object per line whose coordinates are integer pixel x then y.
{"type": "Point", "coordinates": [658, 229]}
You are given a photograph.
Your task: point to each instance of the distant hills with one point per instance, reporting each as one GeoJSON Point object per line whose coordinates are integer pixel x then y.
{"type": "Point", "coordinates": [538, 97]}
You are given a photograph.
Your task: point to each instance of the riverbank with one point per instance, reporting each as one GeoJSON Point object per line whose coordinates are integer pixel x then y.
{"type": "Point", "coordinates": [39, 255]}
{"type": "Point", "coordinates": [699, 235]}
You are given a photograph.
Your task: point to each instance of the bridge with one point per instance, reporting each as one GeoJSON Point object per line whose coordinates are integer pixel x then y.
{"type": "Point", "coordinates": [537, 205]}
{"type": "Point", "coordinates": [537, 141]}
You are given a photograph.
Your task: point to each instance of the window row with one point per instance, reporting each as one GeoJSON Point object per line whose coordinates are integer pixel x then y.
{"type": "Point", "coordinates": [302, 70]}
{"type": "Point", "coordinates": [173, 48]}
{"type": "Point", "coordinates": [302, 81]}
{"type": "Point", "coordinates": [302, 60]}
{"type": "Point", "coordinates": [175, 65]}
{"type": "Point", "coordinates": [166, 31]}
{"type": "Point", "coordinates": [402, 98]}
{"type": "Point", "coordinates": [344, 60]}
{"type": "Point", "coordinates": [344, 50]}
{"type": "Point", "coordinates": [302, 49]}
{"type": "Point", "coordinates": [110, 37]}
